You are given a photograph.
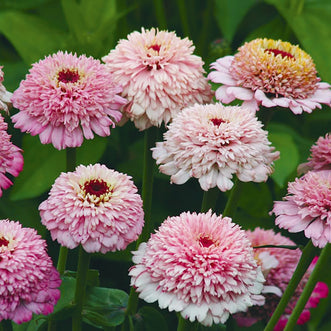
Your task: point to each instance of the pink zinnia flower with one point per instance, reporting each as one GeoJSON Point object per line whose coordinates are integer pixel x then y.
{"type": "Point", "coordinates": [159, 75]}
{"type": "Point", "coordinates": [28, 282]}
{"type": "Point", "coordinates": [66, 98]}
{"type": "Point", "coordinates": [307, 207]}
{"type": "Point", "coordinates": [11, 159]}
{"type": "Point", "coordinates": [200, 265]}
{"type": "Point", "coordinates": [94, 206]}
{"type": "Point", "coordinates": [277, 278]}
{"type": "Point", "coordinates": [320, 158]}
{"type": "Point", "coordinates": [272, 73]}
{"type": "Point", "coordinates": [4, 94]}
{"type": "Point", "coordinates": [212, 143]}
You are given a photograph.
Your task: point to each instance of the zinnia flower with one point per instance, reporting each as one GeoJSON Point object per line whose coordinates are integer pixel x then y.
{"type": "Point", "coordinates": [94, 206]}
{"type": "Point", "coordinates": [11, 159]}
{"type": "Point", "coordinates": [159, 75]}
{"type": "Point", "coordinates": [307, 207]}
{"type": "Point", "coordinates": [272, 73]}
{"type": "Point", "coordinates": [200, 265]}
{"type": "Point", "coordinates": [213, 142]}
{"type": "Point", "coordinates": [29, 282]}
{"type": "Point", "coordinates": [66, 98]}
{"type": "Point", "coordinates": [277, 278]}
{"type": "Point", "coordinates": [4, 94]}
{"type": "Point", "coordinates": [320, 158]}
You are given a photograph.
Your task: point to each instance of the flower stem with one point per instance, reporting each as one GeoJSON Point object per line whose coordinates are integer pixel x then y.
{"type": "Point", "coordinates": [6, 325]}
{"type": "Point", "coordinates": [209, 199]}
{"type": "Point", "coordinates": [309, 287]}
{"type": "Point", "coordinates": [160, 14]}
{"type": "Point", "coordinates": [307, 256]}
{"type": "Point", "coordinates": [81, 280]}
{"type": "Point", "coordinates": [231, 204]}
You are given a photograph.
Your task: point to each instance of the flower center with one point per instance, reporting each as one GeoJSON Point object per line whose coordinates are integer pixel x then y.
{"type": "Point", "coordinates": [205, 241]}
{"type": "Point", "coordinates": [68, 76]}
{"type": "Point", "coordinates": [96, 187]}
{"type": "Point", "coordinates": [276, 52]}
{"type": "Point", "coordinates": [217, 121]}
{"type": "Point", "coordinates": [3, 242]}
{"type": "Point", "coordinates": [155, 47]}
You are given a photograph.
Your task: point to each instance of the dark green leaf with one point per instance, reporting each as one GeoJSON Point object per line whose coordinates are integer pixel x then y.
{"type": "Point", "coordinates": [150, 319]}
{"type": "Point", "coordinates": [92, 276]}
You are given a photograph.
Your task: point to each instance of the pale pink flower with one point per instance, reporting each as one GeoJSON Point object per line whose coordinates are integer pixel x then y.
{"type": "Point", "coordinates": [159, 74]}
{"type": "Point", "coordinates": [277, 278]}
{"type": "Point", "coordinates": [65, 98]}
{"type": "Point", "coordinates": [212, 143]}
{"type": "Point", "coordinates": [28, 282]}
{"type": "Point", "coordinates": [5, 96]}
{"type": "Point", "coordinates": [270, 73]}
{"type": "Point", "coordinates": [94, 206]}
{"type": "Point", "coordinates": [200, 265]}
{"type": "Point", "coordinates": [320, 158]}
{"type": "Point", "coordinates": [307, 207]}
{"type": "Point", "coordinates": [11, 159]}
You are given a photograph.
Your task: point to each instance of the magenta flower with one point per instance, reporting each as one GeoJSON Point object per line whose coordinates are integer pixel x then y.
{"type": "Point", "coordinates": [200, 265]}
{"type": "Point", "coordinates": [94, 206]}
{"type": "Point", "coordinates": [212, 143]}
{"type": "Point", "coordinates": [159, 75]}
{"type": "Point", "coordinates": [307, 207]}
{"type": "Point", "coordinates": [5, 96]}
{"type": "Point", "coordinates": [277, 278]}
{"type": "Point", "coordinates": [270, 73]}
{"type": "Point", "coordinates": [320, 158]}
{"type": "Point", "coordinates": [11, 159]}
{"type": "Point", "coordinates": [66, 98]}
{"type": "Point", "coordinates": [29, 282]}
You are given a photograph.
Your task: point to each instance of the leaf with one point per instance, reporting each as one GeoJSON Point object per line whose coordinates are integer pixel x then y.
{"type": "Point", "coordinates": [150, 319]}
{"type": "Point", "coordinates": [92, 276]}
{"type": "Point", "coordinates": [104, 307]}
{"type": "Point", "coordinates": [229, 14]}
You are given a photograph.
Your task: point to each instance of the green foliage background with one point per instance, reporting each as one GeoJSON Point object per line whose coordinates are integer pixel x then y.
{"type": "Point", "coordinates": [32, 29]}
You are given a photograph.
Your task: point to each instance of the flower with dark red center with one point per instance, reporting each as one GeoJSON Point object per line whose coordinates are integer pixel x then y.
{"type": "Point", "coordinates": [94, 206]}
{"type": "Point", "coordinates": [159, 74]}
{"type": "Point", "coordinates": [29, 282]}
{"type": "Point", "coordinates": [270, 73]}
{"type": "Point", "coordinates": [65, 98]}
{"type": "Point", "coordinates": [200, 265]}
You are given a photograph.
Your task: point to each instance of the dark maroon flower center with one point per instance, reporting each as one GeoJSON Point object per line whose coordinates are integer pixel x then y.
{"type": "Point", "coordinates": [205, 241]}
{"type": "Point", "coordinates": [276, 52]}
{"type": "Point", "coordinates": [155, 47]}
{"type": "Point", "coordinates": [3, 242]}
{"type": "Point", "coordinates": [217, 121]}
{"type": "Point", "coordinates": [68, 76]}
{"type": "Point", "coordinates": [96, 187]}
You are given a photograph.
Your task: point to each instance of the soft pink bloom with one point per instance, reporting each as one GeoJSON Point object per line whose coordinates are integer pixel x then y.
{"type": "Point", "coordinates": [271, 73]}
{"type": "Point", "coordinates": [4, 94]}
{"type": "Point", "coordinates": [159, 74]}
{"type": "Point", "coordinates": [28, 282]}
{"type": "Point", "coordinates": [320, 158]}
{"type": "Point", "coordinates": [94, 206]}
{"type": "Point", "coordinates": [277, 278]}
{"type": "Point", "coordinates": [11, 159]}
{"type": "Point", "coordinates": [307, 207]}
{"type": "Point", "coordinates": [65, 98]}
{"type": "Point", "coordinates": [200, 265]}
{"type": "Point", "coordinates": [212, 143]}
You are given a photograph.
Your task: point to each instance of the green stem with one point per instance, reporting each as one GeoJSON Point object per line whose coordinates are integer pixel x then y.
{"type": "Point", "coordinates": [308, 253]}
{"type": "Point", "coordinates": [231, 204]}
{"type": "Point", "coordinates": [62, 261]}
{"type": "Point", "coordinates": [6, 325]}
{"type": "Point", "coordinates": [309, 287]}
{"type": "Point", "coordinates": [183, 17]}
{"type": "Point", "coordinates": [160, 14]}
{"type": "Point", "coordinates": [81, 280]}
{"type": "Point", "coordinates": [209, 199]}
{"type": "Point", "coordinates": [185, 325]}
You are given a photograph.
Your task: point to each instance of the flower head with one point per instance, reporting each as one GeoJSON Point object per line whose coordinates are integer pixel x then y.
{"type": "Point", "coordinates": [277, 278]}
{"type": "Point", "coordinates": [11, 159]}
{"type": "Point", "coordinates": [65, 98]}
{"type": "Point", "coordinates": [307, 207]}
{"type": "Point", "coordinates": [272, 73]}
{"type": "Point", "coordinates": [213, 142]}
{"type": "Point", "coordinates": [94, 206]}
{"type": "Point", "coordinates": [320, 158]}
{"type": "Point", "coordinates": [4, 94]}
{"type": "Point", "coordinates": [29, 282]}
{"type": "Point", "coordinates": [200, 265]}
{"type": "Point", "coordinates": [159, 75]}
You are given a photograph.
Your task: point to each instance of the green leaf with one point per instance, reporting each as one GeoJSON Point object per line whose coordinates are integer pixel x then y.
{"type": "Point", "coordinates": [229, 14]}
{"type": "Point", "coordinates": [39, 39]}
{"type": "Point", "coordinates": [150, 319]}
{"type": "Point", "coordinates": [104, 307]}
{"type": "Point", "coordinates": [92, 276]}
